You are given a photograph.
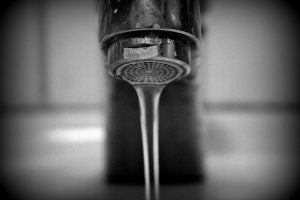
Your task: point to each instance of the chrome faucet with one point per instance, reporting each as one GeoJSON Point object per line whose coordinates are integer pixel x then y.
{"type": "Point", "coordinates": [152, 42]}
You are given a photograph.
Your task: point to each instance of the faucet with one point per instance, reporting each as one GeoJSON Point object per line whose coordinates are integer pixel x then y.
{"type": "Point", "coordinates": [152, 41]}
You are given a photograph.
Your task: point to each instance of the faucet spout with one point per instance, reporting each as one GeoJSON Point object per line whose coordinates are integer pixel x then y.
{"type": "Point", "coordinates": [149, 43]}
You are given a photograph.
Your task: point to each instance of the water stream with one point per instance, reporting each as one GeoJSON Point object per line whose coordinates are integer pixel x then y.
{"type": "Point", "coordinates": [148, 96]}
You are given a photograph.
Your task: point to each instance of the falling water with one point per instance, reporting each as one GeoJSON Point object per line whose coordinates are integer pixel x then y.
{"type": "Point", "coordinates": [149, 77]}
{"type": "Point", "coordinates": [148, 96]}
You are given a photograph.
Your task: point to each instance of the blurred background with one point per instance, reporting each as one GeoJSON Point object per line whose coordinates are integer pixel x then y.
{"type": "Point", "coordinates": [54, 93]}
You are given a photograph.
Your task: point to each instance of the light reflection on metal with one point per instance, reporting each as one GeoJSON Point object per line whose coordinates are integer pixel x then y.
{"type": "Point", "coordinates": [171, 17]}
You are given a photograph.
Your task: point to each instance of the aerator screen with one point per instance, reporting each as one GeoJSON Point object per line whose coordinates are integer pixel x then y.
{"type": "Point", "coordinates": [149, 72]}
